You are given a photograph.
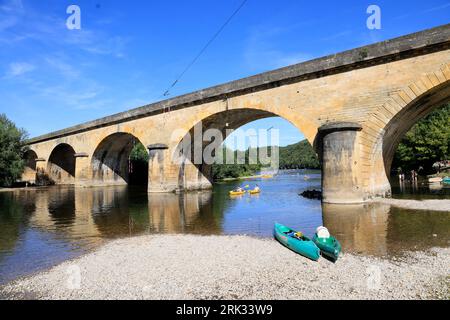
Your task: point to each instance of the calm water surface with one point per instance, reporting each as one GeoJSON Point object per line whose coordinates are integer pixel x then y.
{"type": "Point", "coordinates": [40, 228]}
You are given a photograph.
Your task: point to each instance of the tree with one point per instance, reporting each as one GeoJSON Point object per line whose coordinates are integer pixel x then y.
{"type": "Point", "coordinates": [222, 171]}
{"type": "Point", "coordinates": [299, 155]}
{"type": "Point", "coordinates": [12, 142]}
{"type": "Point", "coordinates": [139, 154]}
{"type": "Point", "coordinates": [138, 167]}
{"type": "Point", "coordinates": [427, 142]}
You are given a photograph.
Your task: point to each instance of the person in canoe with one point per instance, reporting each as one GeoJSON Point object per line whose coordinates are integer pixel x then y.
{"type": "Point", "coordinates": [298, 235]}
{"type": "Point", "coordinates": [255, 190]}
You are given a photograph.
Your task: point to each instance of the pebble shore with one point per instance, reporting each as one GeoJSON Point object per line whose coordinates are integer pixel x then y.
{"type": "Point", "coordinates": [232, 267]}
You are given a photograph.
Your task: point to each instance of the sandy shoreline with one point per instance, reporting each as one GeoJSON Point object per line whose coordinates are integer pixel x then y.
{"type": "Point", "coordinates": [232, 267]}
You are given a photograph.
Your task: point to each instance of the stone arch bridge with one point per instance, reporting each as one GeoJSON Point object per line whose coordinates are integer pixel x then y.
{"type": "Point", "coordinates": [353, 107]}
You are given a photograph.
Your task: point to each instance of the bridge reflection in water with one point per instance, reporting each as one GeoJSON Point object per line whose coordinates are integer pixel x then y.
{"type": "Point", "coordinates": [112, 212]}
{"type": "Point", "coordinates": [39, 228]}
{"type": "Point", "coordinates": [382, 230]}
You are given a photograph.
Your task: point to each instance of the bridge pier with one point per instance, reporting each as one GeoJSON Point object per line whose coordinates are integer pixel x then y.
{"type": "Point", "coordinates": [339, 147]}
{"type": "Point", "coordinates": [162, 173]}
{"type": "Point", "coordinates": [82, 166]}
{"type": "Point", "coordinates": [41, 171]}
{"type": "Point", "coordinates": [194, 177]}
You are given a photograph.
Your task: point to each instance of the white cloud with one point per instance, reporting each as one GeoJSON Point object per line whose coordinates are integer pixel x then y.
{"type": "Point", "coordinates": [9, 6]}
{"type": "Point", "coordinates": [19, 68]}
{"type": "Point", "coordinates": [99, 44]}
{"type": "Point", "coordinates": [444, 6]}
{"type": "Point", "coordinates": [286, 59]}
{"type": "Point", "coordinates": [19, 24]}
{"type": "Point", "coordinates": [67, 70]}
{"type": "Point", "coordinates": [261, 53]}
{"type": "Point", "coordinates": [337, 35]}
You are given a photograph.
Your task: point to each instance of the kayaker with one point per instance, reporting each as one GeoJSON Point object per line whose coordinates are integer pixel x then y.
{"type": "Point", "coordinates": [239, 189]}
{"type": "Point", "coordinates": [297, 235]}
{"type": "Point", "coordinates": [256, 188]}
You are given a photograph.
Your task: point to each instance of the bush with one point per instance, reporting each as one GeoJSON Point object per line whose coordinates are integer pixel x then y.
{"type": "Point", "coordinates": [427, 142]}
{"type": "Point", "coordinates": [12, 142]}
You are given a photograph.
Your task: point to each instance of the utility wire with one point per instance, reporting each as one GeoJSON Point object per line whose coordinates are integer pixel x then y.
{"type": "Point", "coordinates": [167, 92]}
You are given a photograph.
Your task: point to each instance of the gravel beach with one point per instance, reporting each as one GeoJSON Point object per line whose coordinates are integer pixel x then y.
{"type": "Point", "coordinates": [432, 205]}
{"type": "Point", "coordinates": [232, 267]}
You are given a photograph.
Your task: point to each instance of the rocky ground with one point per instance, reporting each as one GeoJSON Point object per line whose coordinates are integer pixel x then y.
{"type": "Point", "coordinates": [232, 267]}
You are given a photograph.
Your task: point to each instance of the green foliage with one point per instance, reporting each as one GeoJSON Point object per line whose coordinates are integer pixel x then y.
{"type": "Point", "coordinates": [222, 171]}
{"type": "Point", "coordinates": [299, 155]}
{"type": "Point", "coordinates": [139, 153]}
{"type": "Point", "coordinates": [11, 151]}
{"type": "Point", "coordinates": [428, 141]}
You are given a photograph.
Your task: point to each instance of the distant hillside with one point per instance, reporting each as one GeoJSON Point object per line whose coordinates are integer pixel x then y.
{"type": "Point", "coordinates": [300, 155]}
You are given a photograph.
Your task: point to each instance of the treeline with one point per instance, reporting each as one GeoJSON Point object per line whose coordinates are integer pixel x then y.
{"type": "Point", "coordinates": [426, 143]}
{"type": "Point", "coordinates": [300, 155]}
{"type": "Point", "coordinates": [12, 150]}
{"type": "Point", "coordinates": [222, 170]}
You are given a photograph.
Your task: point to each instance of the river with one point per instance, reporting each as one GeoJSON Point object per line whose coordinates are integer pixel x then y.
{"type": "Point", "coordinates": [42, 227]}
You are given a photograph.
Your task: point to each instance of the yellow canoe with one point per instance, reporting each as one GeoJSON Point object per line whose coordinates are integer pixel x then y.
{"type": "Point", "coordinates": [267, 176]}
{"type": "Point", "coordinates": [254, 191]}
{"type": "Point", "coordinates": [237, 193]}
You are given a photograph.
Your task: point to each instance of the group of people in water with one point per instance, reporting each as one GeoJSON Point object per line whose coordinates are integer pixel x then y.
{"type": "Point", "coordinates": [414, 175]}
{"type": "Point", "coordinates": [242, 189]}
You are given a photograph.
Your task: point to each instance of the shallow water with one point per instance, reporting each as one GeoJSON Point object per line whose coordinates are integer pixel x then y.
{"type": "Point", "coordinates": [42, 227]}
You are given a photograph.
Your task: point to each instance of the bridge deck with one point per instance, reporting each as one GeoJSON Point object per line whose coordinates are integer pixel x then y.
{"type": "Point", "coordinates": [415, 44]}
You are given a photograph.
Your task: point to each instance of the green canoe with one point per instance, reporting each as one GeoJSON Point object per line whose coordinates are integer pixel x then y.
{"type": "Point", "coordinates": [302, 245]}
{"type": "Point", "coordinates": [329, 247]}
{"type": "Point", "coordinates": [446, 180]}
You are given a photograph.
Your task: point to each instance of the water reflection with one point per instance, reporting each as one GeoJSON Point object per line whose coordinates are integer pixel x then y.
{"type": "Point", "coordinates": [14, 217]}
{"type": "Point", "coordinates": [117, 211]}
{"type": "Point", "coordinates": [42, 227]}
{"type": "Point", "coordinates": [419, 189]}
{"type": "Point", "coordinates": [382, 230]}
{"type": "Point", "coordinates": [360, 228]}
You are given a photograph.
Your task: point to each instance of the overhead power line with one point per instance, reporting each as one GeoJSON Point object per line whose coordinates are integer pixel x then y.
{"type": "Point", "coordinates": [167, 92]}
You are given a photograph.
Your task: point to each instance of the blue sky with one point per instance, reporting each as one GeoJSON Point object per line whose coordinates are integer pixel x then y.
{"type": "Point", "coordinates": [128, 52]}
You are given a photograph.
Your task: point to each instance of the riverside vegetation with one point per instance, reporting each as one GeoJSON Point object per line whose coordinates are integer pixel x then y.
{"type": "Point", "coordinates": [12, 149]}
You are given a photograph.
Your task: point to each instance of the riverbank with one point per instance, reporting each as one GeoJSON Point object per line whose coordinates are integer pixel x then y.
{"type": "Point", "coordinates": [232, 267]}
{"type": "Point", "coordinates": [431, 205]}
{"type": "Point", "coordinates": [19, 189]}
{"type": "Point", "coordinates": [240, 178]}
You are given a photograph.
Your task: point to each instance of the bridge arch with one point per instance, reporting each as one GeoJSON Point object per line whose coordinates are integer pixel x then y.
{"type": "Point", "coordinates": [396, 117]}
{"type": "Point", "coordinates": [110, 161]}
{"type": "Point", "coordinates": [29, 173]}
{"type": "Point", "coordinates": [61, 164]}
{"type": "Point", "coordinates": [198, 175]}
